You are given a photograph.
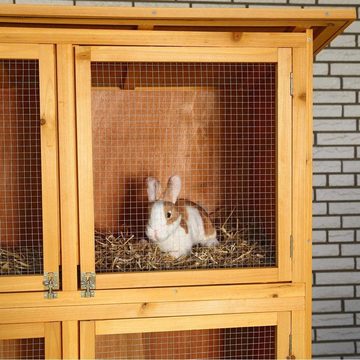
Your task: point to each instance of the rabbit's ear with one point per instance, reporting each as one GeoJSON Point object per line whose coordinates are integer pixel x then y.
{"type": "Point", "coordinates": [173, 189]}
{"type": "Point", "coordinates": [153, 188]}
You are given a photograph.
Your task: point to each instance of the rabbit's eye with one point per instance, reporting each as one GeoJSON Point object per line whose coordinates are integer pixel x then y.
{"type": "Point", "coordinates": [168, 215]}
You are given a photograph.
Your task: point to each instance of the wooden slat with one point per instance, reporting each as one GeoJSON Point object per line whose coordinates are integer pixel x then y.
{"type": "Point", "coordinates": [19, 51]}
{"type": "Point", "coordinates": [133, 326]}
{"type": "Point", "coordinates": [85, 164]}
{"type": "Point", "coordinates": [283, 179]}
{"type": "Point", "coordinates": [283, 332]}
{"type": "Point", "coordinates": [49, 156]}
{"type": "Point", "coordinates": [299, 329]}
{"type": "Point", "coordinates": [21, 283]}
{"type": "Point", "coordinates": [68, 166]}
{"type": "Point", "coordinates": [151, 38]}
{"type": "Point", "coordinates": [70, 339]}
{"type": "Point", "coordinates": [170, 54]}
{"type": "Point", "coordinates": [170, 294]}
{"type": "Point", "coordinates": [21, 331]}
{"type": "Point", "coordinates": [179, 13]}
{"type": "Point", "coordinates": [186, 277]}
{"type": "Point", "coordinates": [52, 340]}
{"type": "Point", "coordinates": [87, 340]}
{"type": "Point", "coordinates": [148, 309]}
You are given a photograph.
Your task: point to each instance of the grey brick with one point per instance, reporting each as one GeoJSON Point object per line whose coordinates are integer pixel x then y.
{"type": "Point", "coordinates": [341, 180]}
{"type": "Point", "coordinates": [104, 3]}
{"type": "Point", "coordinates": [345, 69]}
{"type": "Point", "coordinates": [358, 179]}
{"type": "Point", "coordinates": [319, 208]}
{"type": "Point", "coordinates": [319, 180]}
{"type": "Point", "coordinates": [332, 320]}
{"type": "Point", "coordinates": [334, 97]}
{"type": "Point", "coordinates": [320, 69]}
{"type": "Point", "coordinates": [53, 2]}
{"type": "Point", "coordinates": [325, 250]}
{"type": "Point", "coordinates": [322, 306]}
{"type": "Point", "coordinates": [326, 222]}
{"type": "Point", "coordinates": [318, 236]}
{"type": "Point", "coordinates": [351, 221]}
{"type": "Point", "coordinates": [355, 26]}
{"type": "Point", "coordinates": [333, 152]}
{"type": "Point", "coordinates": [339, 55]}
{"type": "Point", "coordinates": [345, 208]}
{"type": "Point", "coordinates": [320, 166]}
{"type": "Point", "coordinates": [338, 138]}
{"type": "Point", "coordinates": [352, 305]}
{"type": "Point", "coordinates": [332, 278]}
{"type": "Point", "coordinates": [351, 83]}
{"type": "Point", "coordinates": [326, 83]}
{"type": "Point", "coordinates": [341, 235]}
{"type": "Point", "coordinates": [358, 323]}
{"type": "Point", "coordinates": [225, 5]}
{"type": "Point", "coordinates": [6, 2]}
{"type": "Point", "coordinates": [358, 263]}
{"type": "Point", "coordinates": [329, 348]}
{"type": "Point", "coordinates": [352, 110]}
{"type": "Point", "coordinates": [301, 2]}
{"type": "Point", "coordinates": [344, 41]}
{"type": "Point", "coordinates": [327, 111]}
{"type": "Point", "coordinates": [333, 264]}
{"type": "Point", "coordinates": [351, 166]}
{"type": "Point", "coordinates": [334, 124]}
{"type": "Point", "coordinates": [338, 194]}
{"type": "Point", "coordinates": [324, 292]}
{"type": "Point", "coordinates": [350, 249]}
{"type": "Point", "coordinates": [262, 1]}
{"type": "Point", "coordinates": [357, 235]}
{"type": "Point", "coordinates": [338, 2]}
{"type": "Point", "coordinates": [336, 334]}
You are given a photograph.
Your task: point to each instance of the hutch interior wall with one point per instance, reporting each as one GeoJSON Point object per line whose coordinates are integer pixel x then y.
{"type": "Point", "coordinates": [94, 103]}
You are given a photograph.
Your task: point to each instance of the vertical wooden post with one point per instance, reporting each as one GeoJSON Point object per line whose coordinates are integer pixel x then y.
{"type": "Point", "coordinates": [283, 334]}
{"type": "Point", "coordinates": [52, 340]}
{"type": "Point", "coordinates": [87, 340]}
{"type": "Point", "coordinates": [68, 166]}
{"type": "Point", "coordinates": [70, 339]}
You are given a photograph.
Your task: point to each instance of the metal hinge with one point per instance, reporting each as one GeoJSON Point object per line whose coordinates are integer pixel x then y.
{"type": "Point", "coordinates": [88, 284]}
{"type": "Point", "coordinates": [291, 84]}
{"type": "Point", "coordinates": [291, 356]}
{"type": "Point", "coordinates": [51, 283]}
{"type": "Point", "coordinates": [291, 246]}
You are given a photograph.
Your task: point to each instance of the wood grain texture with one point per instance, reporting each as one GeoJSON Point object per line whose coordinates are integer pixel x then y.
{"type": "Point", "coordinates": [21, 331]}
{"type": "Point", "coordinates": [52, 340]}
{"type": "Point", "coordinates": [70, 339]}
{"type": "Point", "coordinates": [87, 340]}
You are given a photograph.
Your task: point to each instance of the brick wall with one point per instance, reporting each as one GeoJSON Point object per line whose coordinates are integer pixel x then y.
{"type": "Point", "coordinates": [336, 236]}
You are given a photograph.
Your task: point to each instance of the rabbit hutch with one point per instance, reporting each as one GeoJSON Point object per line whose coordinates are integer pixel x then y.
{"type": "Point", "coordinates": [155, 184]}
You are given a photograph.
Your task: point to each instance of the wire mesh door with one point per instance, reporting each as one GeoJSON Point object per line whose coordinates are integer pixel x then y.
{"type": "Point", "coordinates": [30, 341]}
{"type": "Point", "coordinates": [235, 336]}
{"type": "Point", "coordinates": [190, 164]}
{"type": "Point", "coordinates": [28, 178]}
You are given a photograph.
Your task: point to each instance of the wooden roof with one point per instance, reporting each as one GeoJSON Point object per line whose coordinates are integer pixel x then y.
{"type": "Point", "coordinates": [326, 23]}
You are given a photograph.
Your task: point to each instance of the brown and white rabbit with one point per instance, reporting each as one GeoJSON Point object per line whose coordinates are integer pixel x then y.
{"type": "Point", "coordinates": [175, 225]}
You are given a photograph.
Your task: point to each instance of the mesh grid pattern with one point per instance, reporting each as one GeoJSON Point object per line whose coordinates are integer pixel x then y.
{"type": "Point", "coordinates": [22, 349]}
{"type": "Point", "coordinates": [20, 168]}
{"type": "Point", "coordinates": [233, 343]}
{"type": "Point", "coordinates": [213, 124]}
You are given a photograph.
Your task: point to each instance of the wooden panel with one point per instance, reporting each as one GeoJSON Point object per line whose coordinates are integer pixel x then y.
{"type": "Point", "coordinates": [170, 54]}
{"type": "Point", "coordinates": [87, 340]}
{"type": "Point", "coordinates": [299, 330]}
{"type": "Point", "coordinates": [19, 51]}
{"type": "Point", "coordinates": [21, 331]}
{"type": "Point", "coordinates": [85, 172]}
{"type": "Point", "coordinates": [21, 283]}
{"type": "Point", "coordinates": [283, 332]}
{"type": "Point", "coordinates": [223, 292]}
{"type": "Point", "coordinates": [184, 323]}
{"type": "Point", "coordinates": [63, 313]}
{"type": "Point", "coordinates": [49, 156]}
{"type": "Point", "coordinates": [70, 339]}
{"type": "Point", "coordinates": [52, 340]}
{"type": "Point", "coordinates": [68, 166]}
{"type": "Point", "coordinates": [284, 143]}
{"type": "Point", "coordinates": [186, 277]}
{"type": "Point", "coordinates": [152, 38]}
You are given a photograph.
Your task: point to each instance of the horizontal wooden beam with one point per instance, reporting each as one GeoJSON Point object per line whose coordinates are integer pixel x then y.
{"type": "Point", "coordinates": [21, 283]}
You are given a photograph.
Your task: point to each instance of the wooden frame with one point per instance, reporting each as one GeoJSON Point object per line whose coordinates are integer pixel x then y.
{"type": "Point", "coordinates": [283, 57]}
{"type": "Point", "coordinates": [49, 164]}
{"type": "Point", "coordinates": [90, 329]}
{"type": "Point", "coordinates": [51, 332]}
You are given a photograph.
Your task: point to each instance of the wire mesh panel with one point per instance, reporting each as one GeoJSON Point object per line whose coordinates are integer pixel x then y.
{"type": "Point", "coordinates": [233, 343]}
{"type": "Point", "coordinates": [21, 244]}
{"type": "Point", "coordinates": [213, 125]}
{"type": "Point", "coordinates": [22, 349]}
